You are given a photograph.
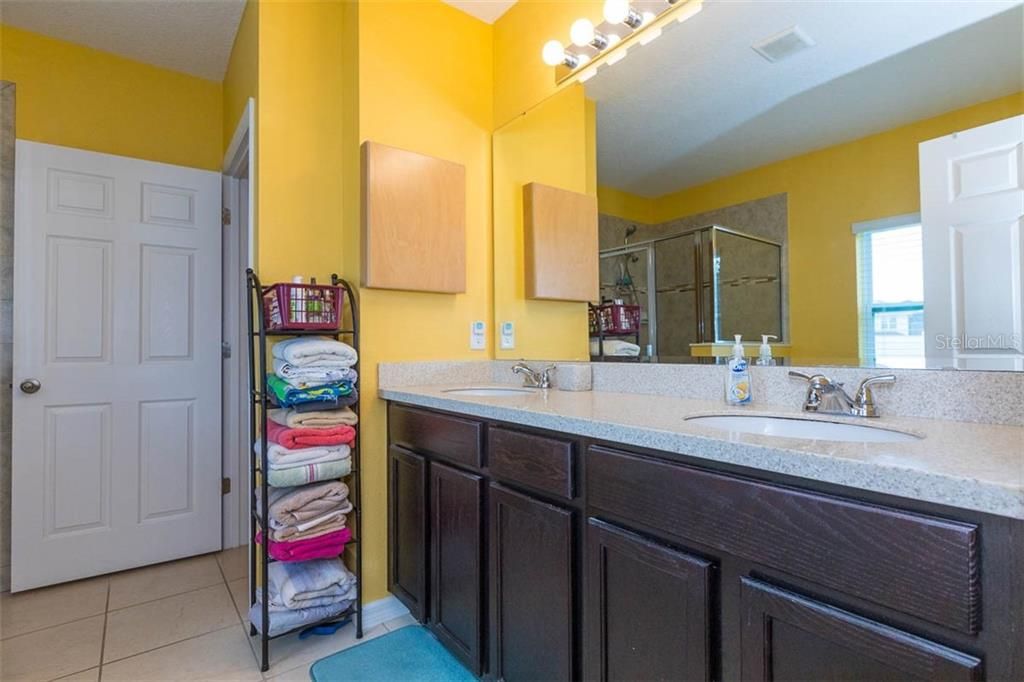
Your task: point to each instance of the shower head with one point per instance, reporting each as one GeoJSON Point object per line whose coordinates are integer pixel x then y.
{"type": "Point", "coordinates": [629, 233]}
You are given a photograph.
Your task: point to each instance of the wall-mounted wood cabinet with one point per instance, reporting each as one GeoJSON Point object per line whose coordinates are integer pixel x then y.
{"type": "Point", "coordinates": [413, 221]}
{"type": "Point", "coordinates": [560, 233]}
{"type": "Point", "coordinates": [608, 563]}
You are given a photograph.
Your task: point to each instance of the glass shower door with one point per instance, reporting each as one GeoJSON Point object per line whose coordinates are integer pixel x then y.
{"type": "Point", "coordinates": [627, 273]}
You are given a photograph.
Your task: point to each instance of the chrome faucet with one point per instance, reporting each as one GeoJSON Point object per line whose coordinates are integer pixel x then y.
{"type": "Point", "coordinates": [828, 397]}
{"type": "Point", "coordinates": [534, 378]}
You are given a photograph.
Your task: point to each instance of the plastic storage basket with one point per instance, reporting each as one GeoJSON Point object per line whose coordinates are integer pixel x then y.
{"type": "Point", "coordinates": [302, 307]}
{"type": "Point", "coordinates": [614, 318]}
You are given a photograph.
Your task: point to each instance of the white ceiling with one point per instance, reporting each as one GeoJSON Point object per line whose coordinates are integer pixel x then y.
{"type": "Point", "coordinates": [699, 103]}
{"type": "Point", "coordinates": [191, 36]}
{"type": "Point", "coordinates": [485, 10]}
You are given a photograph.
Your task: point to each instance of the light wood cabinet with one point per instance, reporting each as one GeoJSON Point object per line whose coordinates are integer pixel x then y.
{"type": "Point", "coordinates": [560, 233]}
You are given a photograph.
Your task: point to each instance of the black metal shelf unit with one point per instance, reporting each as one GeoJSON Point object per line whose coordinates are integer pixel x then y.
{"type": "Point", "coordinates": [259, 494]}
{"type": "Point", "coordinates": [600, 336]}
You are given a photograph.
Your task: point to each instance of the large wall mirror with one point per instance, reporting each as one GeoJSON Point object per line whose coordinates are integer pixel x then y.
{"type": "Point", "coordinates": [845, 176]}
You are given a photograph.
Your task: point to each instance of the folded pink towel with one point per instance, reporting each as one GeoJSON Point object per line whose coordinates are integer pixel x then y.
{"type": "Point", "coordinates": [320, 547]}
{"type": "Point", "coordinates": [295, 439]}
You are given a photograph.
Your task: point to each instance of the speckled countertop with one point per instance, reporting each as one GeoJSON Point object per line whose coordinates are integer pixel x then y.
{"type": "Point", "coordinates": [969, 466]}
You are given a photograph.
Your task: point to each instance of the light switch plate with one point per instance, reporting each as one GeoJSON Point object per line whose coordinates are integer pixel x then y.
{"type": "Point", "coordinates": [508, 335]}
{"type": "Point", "coordinates": [477, 335]}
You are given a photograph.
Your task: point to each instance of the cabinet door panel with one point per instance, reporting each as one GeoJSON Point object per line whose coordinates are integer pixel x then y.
{"type": "Point", "coordinates": [786, 636]}
{"type": "Point", "coordinates": [531, 588]}
{"type": "Point", "coordinates": [647, 614]}
{"type": "Point", "coordinates": [407, 524]}
{"type": "Point", "coordinates": [456, 561]}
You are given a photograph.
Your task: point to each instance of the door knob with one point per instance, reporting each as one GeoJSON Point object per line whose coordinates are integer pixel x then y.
{"type": "Point", "coordinates": [30, 385]}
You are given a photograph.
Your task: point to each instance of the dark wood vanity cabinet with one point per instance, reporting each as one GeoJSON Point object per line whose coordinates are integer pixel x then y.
{"type": "Point", "coordinates": [407, 524]}
{"type": "Point", "coordinates": [539, 556]}
{"type": "Point", "coordinates": [532, 591]}
{"type": "Point", "coordinates": [647, 610]}
{"type": "Point", "coordinates": [456, 561]}
{"type": "Point", "coordinates": [787, 636]}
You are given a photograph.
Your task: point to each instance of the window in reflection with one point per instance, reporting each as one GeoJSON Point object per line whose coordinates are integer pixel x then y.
{"type": "Point", "coordinates": [890, 277]}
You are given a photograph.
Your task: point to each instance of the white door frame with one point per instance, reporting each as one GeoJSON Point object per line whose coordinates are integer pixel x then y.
{"type": "Point", "coordinates": [239, 173]}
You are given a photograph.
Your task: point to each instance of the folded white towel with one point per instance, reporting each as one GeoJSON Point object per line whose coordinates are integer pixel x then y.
{"type": "Point", "coordinates": [313, 375]}
{"type": "Point", "coordinates": [279, 457]}
{"type": "Point", "coordinates": [615, 347]}
{"type": "Point", "coordinates": [296, 585]}
{"type": "Point", "coordinates": [315, 350]}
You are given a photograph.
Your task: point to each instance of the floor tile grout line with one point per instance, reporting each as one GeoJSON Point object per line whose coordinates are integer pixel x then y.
{"type": "Point", "coordinates": [164, 646]}
{"type": "Point", "coordinates": [107, 609]}
{"type": "Point", "coordinates": [103, 641]}
{"type": "Point", "coordinates": [168, 596]}
{"type": "Point", "coordinates": [54, 625]}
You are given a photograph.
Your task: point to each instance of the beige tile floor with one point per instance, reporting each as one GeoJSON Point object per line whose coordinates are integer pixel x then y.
{"type": "Point", "coordinates": [183, 620]}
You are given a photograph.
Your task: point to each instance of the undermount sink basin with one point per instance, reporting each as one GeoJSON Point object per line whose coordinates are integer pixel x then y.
{"type": "Point", "coordinates": [490, 391]}
{"type": "Point", "coordinates": [810, 429]}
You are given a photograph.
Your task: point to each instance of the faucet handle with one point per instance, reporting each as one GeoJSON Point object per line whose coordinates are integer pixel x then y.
{"type": "Point", "coordinates": [800, 375]}
{"type": "Point", "coordinates": [864, 400]}
{"type": "Point", "coordinates": [545, 376]}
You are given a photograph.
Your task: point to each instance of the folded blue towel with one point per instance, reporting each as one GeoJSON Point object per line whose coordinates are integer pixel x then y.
{"type": "Point", "coordinates": [283, 621]}
{"type": "Point", "coordinates": [286, 395]}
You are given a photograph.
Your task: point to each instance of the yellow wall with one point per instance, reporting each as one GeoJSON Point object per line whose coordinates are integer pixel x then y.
{"type": "Point", "coordinates": [301, 92]}
{"type": "Point", "coordinates": [79, 97]}
{"type": "Point", "coordinates": [521, 79]}
{"type": "Point", "coordinates": [425, 84]}
{"type": "Point", "coordinates": [553, 144]}
{"type": "Point", "coordinates": [241, 80]}
{"type": "Point", "coordinates": [829, 190]}
{"type": "Point", "coordinates": [616, 202]}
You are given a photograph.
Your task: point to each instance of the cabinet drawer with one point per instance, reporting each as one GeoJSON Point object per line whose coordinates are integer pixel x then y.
{"type": "Point", "coordinates": [787, 636]}
{"type": "Point", "coordinates": [862, 550]}
{"type": "Point", "coordinates": [536, 461]}
{"type": "Point", "coordinates": [454, 438]}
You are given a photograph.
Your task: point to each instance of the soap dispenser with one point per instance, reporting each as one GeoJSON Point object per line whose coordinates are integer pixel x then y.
{"type": "Point", "coordinates": [737, 381]}
{"type": "Point", "coordinates": [764, 356]}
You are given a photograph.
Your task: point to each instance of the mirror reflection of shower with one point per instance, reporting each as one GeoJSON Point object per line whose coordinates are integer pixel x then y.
{"type": "Point", "coordinates": [625, 287]}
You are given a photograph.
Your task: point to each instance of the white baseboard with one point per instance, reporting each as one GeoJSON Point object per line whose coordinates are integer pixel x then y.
{"type": "Point", "coordinates": [381, 611]}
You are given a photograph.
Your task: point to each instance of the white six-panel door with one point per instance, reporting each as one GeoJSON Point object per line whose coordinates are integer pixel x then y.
{"type": "Point", "coordinates": [116, 456]}
{"type": "Point", "coordinates": [972, 208]}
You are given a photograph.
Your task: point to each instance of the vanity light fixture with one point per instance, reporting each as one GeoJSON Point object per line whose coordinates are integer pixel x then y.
{"type": "Point", "coordinates": [582, 34]}
{"type": "Point", "coordinates": [554, 54]}
{"type": "Point", "coordinates": [608, 42]}
{"type": "Point", "coordinates": [621, 12]}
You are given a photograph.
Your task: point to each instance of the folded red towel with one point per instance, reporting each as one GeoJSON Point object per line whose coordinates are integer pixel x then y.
{"type": "Point", "coordinates": [320, 547]}
{"type": "Point", "coordinates": [292, 439]}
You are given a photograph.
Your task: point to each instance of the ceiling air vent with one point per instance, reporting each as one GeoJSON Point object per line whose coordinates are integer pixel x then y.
{"type": "Point", "coordinates": [783, 45]}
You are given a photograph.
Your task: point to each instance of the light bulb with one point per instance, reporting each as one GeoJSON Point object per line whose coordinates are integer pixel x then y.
{"type": "Point", "coordinates": [613, 39]}
{"type": "Point", "coordinates": [581, 32]}
{"type": "Point", "coordinates": [616, 11]}
{"type": "Point", "coordinates": [648, 17]}
{"type": "Point", "coordinates": [581, 59]}
{"type": "Point", "coordinates": [553, 53]}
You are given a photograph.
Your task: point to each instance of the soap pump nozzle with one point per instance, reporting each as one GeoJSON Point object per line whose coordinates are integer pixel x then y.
{"type": "Point", "coordinates": [764, 358]}
{"type": "Point", "coordinates": [737, 348]}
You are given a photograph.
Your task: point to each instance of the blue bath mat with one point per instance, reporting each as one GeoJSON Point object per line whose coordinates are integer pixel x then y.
{"type": "Point", "coordinates": [411, 654]}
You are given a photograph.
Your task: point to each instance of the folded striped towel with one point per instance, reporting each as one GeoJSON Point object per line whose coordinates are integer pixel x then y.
{"type": "Point", "coordinates": [309, 473]}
